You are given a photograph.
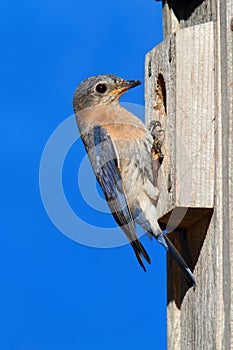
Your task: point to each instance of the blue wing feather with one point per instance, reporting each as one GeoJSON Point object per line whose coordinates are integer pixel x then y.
{"type": "Point", "coordinates": [108, 174]}
{"type": "Point", "coordinates": [109, 177]}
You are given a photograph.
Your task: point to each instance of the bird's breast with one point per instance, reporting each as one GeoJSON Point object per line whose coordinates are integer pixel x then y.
{"type": "Point", "coordinates": [120, 123]}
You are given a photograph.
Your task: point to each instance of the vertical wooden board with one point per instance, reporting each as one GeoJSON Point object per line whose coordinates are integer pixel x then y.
{"type": "Point", "coordinates": [161, 62]}
{"type": "Point", "coordinates": [182, 14]}
{"type": "Point", "coordinates": [197, 66]}
{"type": "Point", "coordinates": [186, 62]}
{"type": "Point", "coordinates": [193, 313]}
{"type": "Point", "coordinates": [224, 166]}
{"type": "Point", "coordinates": [195, 112]}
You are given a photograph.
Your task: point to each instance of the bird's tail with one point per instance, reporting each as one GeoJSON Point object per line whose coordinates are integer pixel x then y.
{"type": "Point", "coordinates": [168, 245]}
{"type": "Point", "coordinates": [139, 252]}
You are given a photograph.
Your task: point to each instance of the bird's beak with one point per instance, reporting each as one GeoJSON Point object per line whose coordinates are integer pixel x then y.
{"type": "Point", "coordinates": [124, 86]}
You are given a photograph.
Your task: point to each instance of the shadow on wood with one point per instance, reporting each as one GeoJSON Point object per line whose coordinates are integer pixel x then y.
{"type": "Point", "coordinates": [188, 239]}
{"type": "Point", "coordinates": [183, 9]}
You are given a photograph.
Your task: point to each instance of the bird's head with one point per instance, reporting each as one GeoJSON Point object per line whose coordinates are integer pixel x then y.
{"type": "Point", "coordinates": [100, 89]}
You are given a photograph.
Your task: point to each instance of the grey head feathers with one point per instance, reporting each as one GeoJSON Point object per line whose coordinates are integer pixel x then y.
{"type": "Point", "coordinates": [100, 89]}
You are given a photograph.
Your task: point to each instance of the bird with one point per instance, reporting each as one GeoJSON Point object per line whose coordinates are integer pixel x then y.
{"type": "Point", "coordinates": [119, 146]}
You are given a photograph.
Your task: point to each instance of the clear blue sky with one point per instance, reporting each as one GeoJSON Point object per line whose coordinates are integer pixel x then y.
{"type": "Point", "coordinates": [57, 294]}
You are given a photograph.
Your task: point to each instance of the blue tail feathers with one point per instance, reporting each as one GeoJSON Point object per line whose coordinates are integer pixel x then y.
{"type": "Point", "coordinates": [168, 245]}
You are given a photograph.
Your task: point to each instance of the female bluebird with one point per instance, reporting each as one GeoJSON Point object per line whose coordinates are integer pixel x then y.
{"type": "Point", "coordinates": [120, 150]}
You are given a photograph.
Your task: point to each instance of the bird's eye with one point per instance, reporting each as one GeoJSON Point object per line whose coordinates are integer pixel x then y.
{"type": "Point", "coordinates": [102, 88]}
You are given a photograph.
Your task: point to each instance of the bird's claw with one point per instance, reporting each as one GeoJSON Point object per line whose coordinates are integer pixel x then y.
{"type": "Point", "coordinates": [158, 136]}
{"type": "Point", "coordinates": [153, 125]}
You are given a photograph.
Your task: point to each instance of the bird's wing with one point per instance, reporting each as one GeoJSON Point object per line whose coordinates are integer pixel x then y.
{"type": "Point", "coordinates": [106, 168]}
{"type": "Point", "coordinates": [143, 157]}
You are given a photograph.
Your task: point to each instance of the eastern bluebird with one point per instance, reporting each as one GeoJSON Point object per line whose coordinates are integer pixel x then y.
{"type": "Point", "coordinates": [120, 150]}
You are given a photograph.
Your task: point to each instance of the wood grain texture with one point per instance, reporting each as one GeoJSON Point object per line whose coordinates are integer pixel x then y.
{"type": "Point", "coordinates": [196, 177]}
{"type": "Point", "coordinates": [186, 63]}
{"type": "Point", "coordinates": [224, 168]}
{"type": "Point", "coordinates": [185, 13]}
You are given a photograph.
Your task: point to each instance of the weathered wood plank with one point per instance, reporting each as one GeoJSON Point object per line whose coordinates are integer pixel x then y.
{"type": "Point", "coordinates": [186, 63]}
{"type": "Point", "coordinates": [224, 167]}
{"type": "Point", "coordinates": [189, 88]}
{"type": "Point", "coordinates": [185, 13]}
{"type": "Point", "coordinates": [186, 109]}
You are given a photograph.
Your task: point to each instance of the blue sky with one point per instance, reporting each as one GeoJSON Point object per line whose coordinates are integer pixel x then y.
{"type": "Point", "coordinates": [56, 293]}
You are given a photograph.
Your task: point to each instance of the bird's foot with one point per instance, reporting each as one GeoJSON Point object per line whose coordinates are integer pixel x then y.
{"type": "Point", "coordinates": [158, 136]}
